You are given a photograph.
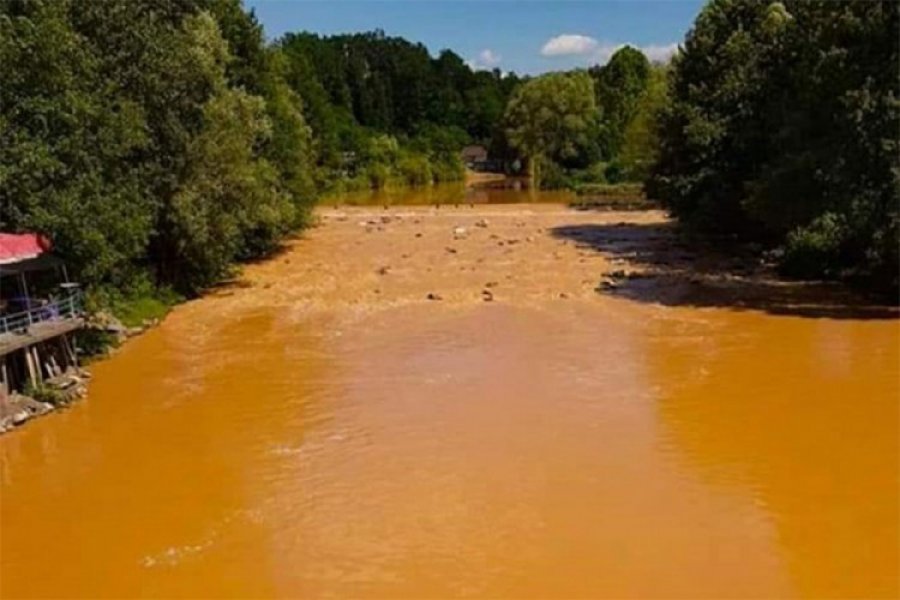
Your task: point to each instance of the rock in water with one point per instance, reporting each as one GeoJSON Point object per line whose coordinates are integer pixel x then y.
{"type": "Point", "coordinates": [607, 285]}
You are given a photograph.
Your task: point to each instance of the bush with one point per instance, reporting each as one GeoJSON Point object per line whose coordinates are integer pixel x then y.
{"type": "Point", "coordinates": [614, 172]}
{"type": "Point", "coordinates": [43, 393]}
{"type": "Point", "coordinates": [554, 177]}
{"type": "Point", "coordinates": [814, 250]}
{"type": "Point", "coordinates": [377, 174]}
{"type": "Point", "coordinates": [594, 173]}
{"type": "Point", "coordinates": [415, 170]}
{"type": "Point", "coordinates": [93, 343]}
{"type": "Point", "coordinates": [447, 168]}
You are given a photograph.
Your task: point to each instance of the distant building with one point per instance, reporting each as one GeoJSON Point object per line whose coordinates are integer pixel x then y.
{"type": "Point", "coordinates": [474, 156]}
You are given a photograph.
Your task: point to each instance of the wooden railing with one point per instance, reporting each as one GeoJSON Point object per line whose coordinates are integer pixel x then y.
{"type": "Point", "coordinates": [68, 307]}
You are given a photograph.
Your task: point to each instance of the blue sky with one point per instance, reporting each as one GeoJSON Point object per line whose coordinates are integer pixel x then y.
{"type": "Point", "coordinates": [524, 36]}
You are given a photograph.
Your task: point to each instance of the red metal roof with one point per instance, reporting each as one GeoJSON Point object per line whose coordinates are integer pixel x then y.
{"type": "Point", "coordinates": [21, 246]}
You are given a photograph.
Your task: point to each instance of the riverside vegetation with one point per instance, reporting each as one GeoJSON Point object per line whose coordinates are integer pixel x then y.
{"type": "Point", "coordinates": [160, 143]}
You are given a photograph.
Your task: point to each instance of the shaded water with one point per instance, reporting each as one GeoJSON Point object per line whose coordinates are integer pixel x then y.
{"type": "Point", "coordinates": [304, 435]}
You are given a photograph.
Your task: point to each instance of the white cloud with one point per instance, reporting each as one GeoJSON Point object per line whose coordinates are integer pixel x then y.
{"type": "Point", "coordinates": [568, 44]}
{"type": "Point", "coordinates": [659, 53]}
{"type": "Point", "coordinates": [600, 52]}
{"type": "Point", "coordinates": [487, 59]}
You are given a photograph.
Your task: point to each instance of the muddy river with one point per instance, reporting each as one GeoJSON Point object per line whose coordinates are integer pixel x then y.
{"type": "Point", "coordinates": [423, 402]}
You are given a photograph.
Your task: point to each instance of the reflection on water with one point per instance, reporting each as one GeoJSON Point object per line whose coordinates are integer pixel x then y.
{"type": "Point", "coordinates": [593, 447]}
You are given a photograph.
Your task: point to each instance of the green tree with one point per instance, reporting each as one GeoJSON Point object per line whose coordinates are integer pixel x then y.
{"type": "Point", "coordinates": [136, 140]}
{"type": "Point", "coordinates": [551, 117]}
{"type": "Point", "coordinates": [68, 138]}
{"type": "Point", "coordinates": [640, 141]}
{"type": "Point", "coordinates": [783, 127]}
{"type": "Point", "coordinates": [620, 85]}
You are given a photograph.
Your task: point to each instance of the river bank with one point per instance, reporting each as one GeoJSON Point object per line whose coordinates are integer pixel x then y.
{"type": "Point", "coordinates": [482, 401]}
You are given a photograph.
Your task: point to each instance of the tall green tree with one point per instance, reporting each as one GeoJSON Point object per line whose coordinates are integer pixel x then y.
{"type": "Point", "coordinates": [551, 117]}
{"type": "Point", "coordinates": [620, 85]}
{"type": "Point", "coordinates": [640, 139]}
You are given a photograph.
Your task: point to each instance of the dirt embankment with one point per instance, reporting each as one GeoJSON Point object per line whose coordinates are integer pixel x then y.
{"type": "Point", "coordinates": [476, 177]}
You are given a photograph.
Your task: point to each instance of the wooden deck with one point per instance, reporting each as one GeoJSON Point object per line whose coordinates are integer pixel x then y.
{"type": "Point", "coordinates": [39, 332]}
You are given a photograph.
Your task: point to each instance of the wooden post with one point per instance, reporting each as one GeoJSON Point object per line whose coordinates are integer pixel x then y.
{"type": "Point", "coordinates": [63, 353]}
{"type": "Point", "coordinates": [37, 364]}
{"type": "Point", "coordinates": [29, 364]}
{"type": "Point", "coordinates": [4, 378]}
{"type": "Point", "coordinates": [72, 349]}
{"type": "Point", "coordinates": [43, 361]}
{"type": "Point", "coordinates": [50, 363]}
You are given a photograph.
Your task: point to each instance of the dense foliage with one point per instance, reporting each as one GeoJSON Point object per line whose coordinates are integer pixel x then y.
{"type": "Point", "coordinates": [580, 128]}
{"type": "Point", "coordinates": [783, 127]}
{"type": "Point", "coordinates": [382, 108]}
{"type": "Point", "coordinates": [552, 119]}
{"type": "Point", "coordinates": [149, 146]}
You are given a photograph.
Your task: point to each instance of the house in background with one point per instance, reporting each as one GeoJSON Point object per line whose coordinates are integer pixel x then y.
{"type": "Point", "coordinates": [474, 156]}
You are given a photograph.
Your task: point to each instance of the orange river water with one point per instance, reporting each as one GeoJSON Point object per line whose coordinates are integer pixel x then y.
{"type": "Point", "coordinates": [321, 429]}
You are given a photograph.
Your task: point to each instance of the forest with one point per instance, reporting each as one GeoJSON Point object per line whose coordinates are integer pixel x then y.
{"type": "Point", "coordinates": [158, 143]}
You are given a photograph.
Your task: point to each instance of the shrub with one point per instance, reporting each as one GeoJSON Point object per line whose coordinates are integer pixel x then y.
{"type": "Point", "coordinates": [415, 170]}
{"type": "Point", "coordinates": [553, 176]}
{"type": "Point", "coordinates": [594, 173]}
{"type": "Point", "coordinates": [377, 175]}
{"type": "Point", "coordinates": [614, 172]}
{"type": "Point", "coordinates": [814, 250]}
{"type": "Point", "coordinates": [43, 393]}
{"type": "Point", "coordinates": [448, 167]}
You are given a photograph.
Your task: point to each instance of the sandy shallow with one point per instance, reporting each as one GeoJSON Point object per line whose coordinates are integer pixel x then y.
{"type": "Point", "coordinates": [520, 254]}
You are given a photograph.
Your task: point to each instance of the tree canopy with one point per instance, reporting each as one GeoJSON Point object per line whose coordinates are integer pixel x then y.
{"type": "Point", "coordinates": [783, 126]}
{"type": "Point", "coordinates": [141, 143]}
{"type": "Point", "coordinates": [552, 118]}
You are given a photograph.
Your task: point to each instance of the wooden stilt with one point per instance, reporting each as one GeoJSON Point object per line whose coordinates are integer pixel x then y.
{"type": "Point", "coordinates": [72, 349]}
{"type": "Point", "coordinates": [49, 369]}
{"type": "Point", "coordinates": [55, 371]}
{"type": "Point", "coordinates": [29, 364]}
{"type": "Point", "coordinates": [36, 358]}
{"type": "Point", "coordinates": [63, 353]}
